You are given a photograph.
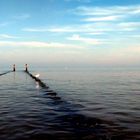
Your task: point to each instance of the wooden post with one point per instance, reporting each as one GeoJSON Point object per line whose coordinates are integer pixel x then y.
{"type": "Point", "coordinates": [26, 67]}
{"type": "Point", "coordinates": [14, 67]}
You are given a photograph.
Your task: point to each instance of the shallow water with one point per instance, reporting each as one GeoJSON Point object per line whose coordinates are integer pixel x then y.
{"type": "Point", "coordinates": [102, 104]}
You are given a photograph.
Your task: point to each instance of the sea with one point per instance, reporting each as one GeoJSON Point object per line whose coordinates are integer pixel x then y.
{"type": "Point", "coordinates": [76, 104]}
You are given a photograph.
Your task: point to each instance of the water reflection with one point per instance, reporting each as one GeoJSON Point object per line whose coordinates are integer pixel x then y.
{"type": "Point", "coordinates": [37, 85]}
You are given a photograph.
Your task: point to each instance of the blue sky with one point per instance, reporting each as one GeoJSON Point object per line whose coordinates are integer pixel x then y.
{"type": "Point", "coordinates": [78, 32]}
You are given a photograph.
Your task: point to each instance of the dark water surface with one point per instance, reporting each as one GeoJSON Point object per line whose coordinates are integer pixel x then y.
{"type": "Point", "coordinates": [93, 104]}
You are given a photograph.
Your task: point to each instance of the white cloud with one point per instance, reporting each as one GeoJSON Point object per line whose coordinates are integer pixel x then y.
{"type": "Point", "coordinates": [98, 20]}
{"type": "Point", "coordinates": [105, 18]}
{"type": "Point", "coordinates": [129, 24]}
{"type": "Point", "coordinates": [92, 28]}
{"type": "Point", "coordinates": [136, 11]}
{"type": "Point", "coordinates": [135, 36]}
{"type": "Point", "coordinates": [54, 29]}
{"type": "Point", "coordinates": [90, 41]}
{"type": "Point", "coordinates": [112, 14]}
{"type": "Point", "coordinates": [86, 28]}
{"type": "Point", "coordinates": [112, 10]}
{"type": "Point", "coordinates": [96, 33]}
{"type": "Point", "coordinates": [37, 44]}
{"type": "Point", "coordinates": [6, 36]}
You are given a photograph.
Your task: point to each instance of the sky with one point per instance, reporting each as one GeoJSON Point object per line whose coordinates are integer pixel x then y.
{"type": "Point", "coordinates": [70, 32]}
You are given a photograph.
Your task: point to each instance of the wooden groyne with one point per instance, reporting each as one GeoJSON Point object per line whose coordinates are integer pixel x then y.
{"type": "Point", "coordinates": [5, 73]}
{"type": "Point", "coordinates": [41, 84]}
{"type": "Point", "coordinates": [52, 94]}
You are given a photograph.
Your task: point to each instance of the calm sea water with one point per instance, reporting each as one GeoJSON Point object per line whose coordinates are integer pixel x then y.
{"type": "Point", "coordinates": [100, 104]}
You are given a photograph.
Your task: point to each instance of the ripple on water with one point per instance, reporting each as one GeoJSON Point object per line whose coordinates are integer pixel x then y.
{"type": "Point", "coordinates": [38, 114]}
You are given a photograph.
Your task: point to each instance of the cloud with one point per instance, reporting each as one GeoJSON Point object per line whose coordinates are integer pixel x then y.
{"type": "Point", "coordinates": [46, 29]}
{"type": "Point", "coordinates": [129, 24]}
{"type": "Point", "coordinates": [93, 28]}
{"type": "Point", "coordinates": [97, 21]}
{"type": "Point", "coordinates": [37, 44]}
{"type": "Point", "coordinates": [105, 18]}
{"type": "Point", "coordinates": [106, 11]}
{"type": "Point", "coordinates": [90, 41]}
{"type": "Point", "coordinates": [135, 36]}
{"type": "Point", "coordinates": [86, 28]}
{"type": "Point", "coordinates": [6, 36]}
{"type": "Point", "coordinates": [106, 14]}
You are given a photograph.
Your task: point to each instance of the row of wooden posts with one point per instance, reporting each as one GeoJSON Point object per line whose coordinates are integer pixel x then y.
{"type": "Point", "coordinates": [26, 67]}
